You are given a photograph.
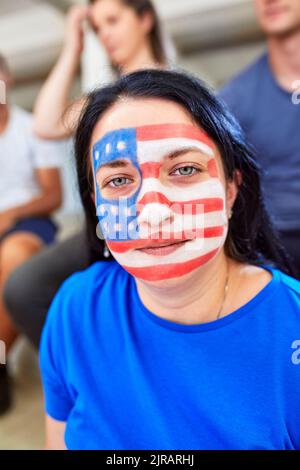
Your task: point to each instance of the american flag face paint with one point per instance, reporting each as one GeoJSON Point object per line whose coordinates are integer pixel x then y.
{"type": "Point", "coordinates": [191, 217]}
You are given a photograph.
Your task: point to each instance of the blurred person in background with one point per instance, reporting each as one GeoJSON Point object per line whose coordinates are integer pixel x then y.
{"type": "Point", "coordinates": [133, 38]}
{"type": "Point", "coordinates": [30, 190]}
{"type": "Point", "coordinates": [261, 97]}
{"type": "Point", "coordinates": [131, 34]}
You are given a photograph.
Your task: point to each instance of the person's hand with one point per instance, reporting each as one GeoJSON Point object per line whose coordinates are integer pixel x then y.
{"type": "Point", "coordinates": [7, 220]}
{"type": "Point", "coordinates": [74, 31]}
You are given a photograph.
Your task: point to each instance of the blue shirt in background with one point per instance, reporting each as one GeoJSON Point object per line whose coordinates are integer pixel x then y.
{"type": "Point", "coordinates": [124, 378]}
{"type": "Point", "coordinates": [272, 124]}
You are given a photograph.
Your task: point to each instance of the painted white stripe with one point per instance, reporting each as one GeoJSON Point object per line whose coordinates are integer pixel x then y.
{"type": "Point", "coordinates": [209, 188]}
{"type": "Point", "coordinates": [184, 223]}
{"type": "Point", "coordinates": [155, 150]}
{"type": "Point", "coordinates": [188, 251]}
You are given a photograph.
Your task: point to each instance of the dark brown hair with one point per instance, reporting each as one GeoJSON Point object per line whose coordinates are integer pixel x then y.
{"type": "Point", "coordinates": [4, 65]}
{"type": "Point", "coordinates": [252, 237]}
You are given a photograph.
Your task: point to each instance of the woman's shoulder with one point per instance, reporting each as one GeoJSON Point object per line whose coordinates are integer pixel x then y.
{"type": "Point", "coordinates": [79, 294]}
{"type": "Point", "coordinates": [265, 273]}
{"type": "Point", "coordinates": [289, 283]}
{"type": "Point", "coordinates": [286, 289]}
{"type": "Point", "coordinates": [82, 285]}
{"type": "Point", "coordinates": [98, 274]}
{"type": "Point", "coordinates": [266, 282]}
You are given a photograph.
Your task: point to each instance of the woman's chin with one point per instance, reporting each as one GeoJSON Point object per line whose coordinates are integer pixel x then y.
{"type": "Point", "coordinates": [174, 281]}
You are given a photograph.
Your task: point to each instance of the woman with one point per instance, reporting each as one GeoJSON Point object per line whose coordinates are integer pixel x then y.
{"type": "Point", "coordinates": [132, 36]}
{"type": "Point", "coordinates": [189, 338]}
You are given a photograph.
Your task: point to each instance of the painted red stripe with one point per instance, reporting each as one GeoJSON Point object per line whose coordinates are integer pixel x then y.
{"type": "Point", "coordinates": [212, 168]}
{"type": "Point", "coordinates": [210, 232]}
{"type": "Point", "coordinates": [191, 207]}
{"type": "Point", "coordinates": [150, 169]}
{"type": "Point", "coordinates": [166, 271]}
{"type": "Point", "coordinates": [126, 245]}
{"type": "Point", "coordinates": [169, 131]}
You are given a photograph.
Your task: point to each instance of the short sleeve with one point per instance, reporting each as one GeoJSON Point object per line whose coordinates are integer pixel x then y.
{"type": "Point", "coordinates": [49, 153]}
{"type": "Point", "coordinates": [52, 359]}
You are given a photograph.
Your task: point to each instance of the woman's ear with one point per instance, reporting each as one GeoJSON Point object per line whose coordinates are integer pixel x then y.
{"type": "Point", "coordinates": [147, 21]}
{"type": "Point", "coordinates": [232, 191]}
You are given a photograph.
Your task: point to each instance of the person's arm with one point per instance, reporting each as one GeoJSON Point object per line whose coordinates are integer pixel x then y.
{"type": "Point", "coordinates": [49, 199]}
{"type": "Point", "coordinates": [54, 114]}
{"type": "Point", "coordinates": [54, 363]}
{"type": "Point", "coordinates": [55, 431]}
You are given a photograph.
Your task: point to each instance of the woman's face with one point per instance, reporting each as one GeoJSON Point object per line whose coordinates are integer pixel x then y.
{"type": "Point", "coordinates": [120, 29]}
{"type": "Point", "coordinates": [159, 189]}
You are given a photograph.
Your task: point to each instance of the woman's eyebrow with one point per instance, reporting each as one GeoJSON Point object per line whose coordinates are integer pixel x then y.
{"type": "Point", "coordinates": [114, 164]}
{"type": "Point", "coordinates": [119, 163]}
{"type": "Point", "coordinates": [179, 152]}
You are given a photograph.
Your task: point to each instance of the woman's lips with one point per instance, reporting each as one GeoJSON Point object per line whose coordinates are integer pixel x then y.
{"type": "Point", "coordinates": [162, 249]}
{"type": "Point", "coordinates": [276, 10]}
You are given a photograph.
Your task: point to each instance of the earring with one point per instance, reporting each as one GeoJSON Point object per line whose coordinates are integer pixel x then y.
{"type": "Point", "coordinates": [230, 213]}
{"type": "Point", "coordinates": [106, 253]}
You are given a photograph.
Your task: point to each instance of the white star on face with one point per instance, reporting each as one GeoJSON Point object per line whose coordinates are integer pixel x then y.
{"type": "Point", "coordinates": [102, 210]}
{"type": "Point", "coordinates": [107, 148]}
{"type": "Point", "coordinates": [97, 155]}
{"type": "Point", "coordinates": [114, 210]}
{"type": "Point", "coordinates": [121, 145]}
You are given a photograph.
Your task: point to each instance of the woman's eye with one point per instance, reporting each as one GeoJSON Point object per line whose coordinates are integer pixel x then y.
{"type": "Point", "coordinates": [116, 182]}
{"type": "Point", "coordinates": [186, 170]}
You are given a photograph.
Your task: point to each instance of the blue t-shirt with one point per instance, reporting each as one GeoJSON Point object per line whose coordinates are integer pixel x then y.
{"type": "Point", "coordinates": [272, 125]}
{"type": "Point", "coordinates": [124, 378]}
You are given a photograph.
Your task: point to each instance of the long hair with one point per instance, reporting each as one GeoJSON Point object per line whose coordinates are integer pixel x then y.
{"type": "Point", "coordinates": [4, 68]}
{"type": "Point", "coordinates": [252, 237]}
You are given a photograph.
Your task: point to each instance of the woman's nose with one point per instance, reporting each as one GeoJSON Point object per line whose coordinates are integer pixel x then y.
{"type": "Point", "coordinates": [154, 218]}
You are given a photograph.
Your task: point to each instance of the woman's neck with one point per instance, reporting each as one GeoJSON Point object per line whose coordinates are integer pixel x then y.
{"type": "Point", "coordinates": [144, 58]}
{"type": "Point", "coordinates": [196, 298]}
{"type": "Point", "coordinates": [284, 56]}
